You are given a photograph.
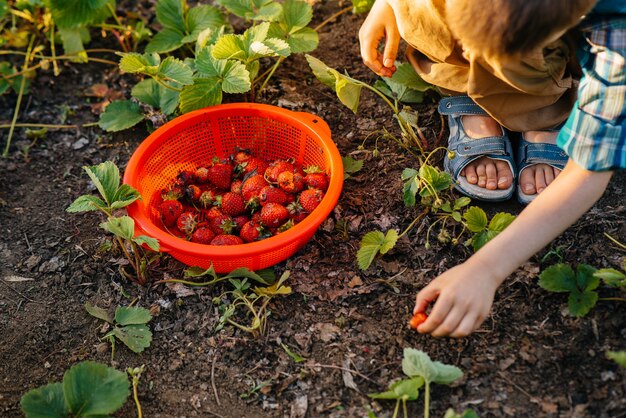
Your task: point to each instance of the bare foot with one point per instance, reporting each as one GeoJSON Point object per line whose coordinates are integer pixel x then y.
{"type": "Point", "coordinates": [535, 178]}
{"type": "Point", "coordinates": [486, 172]}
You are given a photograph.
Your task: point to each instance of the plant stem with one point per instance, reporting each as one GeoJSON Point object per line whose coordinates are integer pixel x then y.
{"type": "Point", "coordinates": [331, 18]}
{"type": "Point", "coordinates": [136, 397]}
{"type": "Point", "coordinates": [43, 125]}
{"type": "Point", "coordinates": [55, 65]}
{"type": "Point", "coordinates": [381, 94]}
{"type": "Point", "coordinates": [406, 413]}
{"type": "Point", "coordinates": [397, 408]}
{"type": "Point", "coordinates": [616, 242]}
{"type": "Point", "coordinates": [412, 224]}
{"type": "Point", "coordinates": [19, 99]}
{"type": "Point", "coordinates": [427, 400]}
{"type": "Point", "coordinates": [614, 299]}
{"type": "Point", "coordinates": [190, 283]}
{"type": "Point", "coordinates": [274, 67]}
{"type": "Point", "coordinates": [164, 84]}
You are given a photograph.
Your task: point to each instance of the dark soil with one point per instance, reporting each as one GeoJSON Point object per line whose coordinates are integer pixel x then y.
{"type": "Point", "coordinates": [529, 359]}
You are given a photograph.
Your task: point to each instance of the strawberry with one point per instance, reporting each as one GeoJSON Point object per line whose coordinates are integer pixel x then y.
{"type": "Point", "coordinates": [232, 204]}
{"type": "Point", "coordinates": [235, 186]}
{"type": "Point", "coordinates": [240, 221]}
{"type": "Point", "coordinates": [207, 198]}
{"type": "Point", "coordinates": [296, 212]}
{"type": "Point", "coordinates": [220, 175]}
{"type": "Point", "coordinates": [253, 164]}
{"type": "Point", "coordinates": [310, 199]}
{"type": "Point", "coordinates": [192, 193]}
{"type": "Point", "coordinates": [417, 319]}
{"type": "Point", "coordinates": [212, 213]}
{"type": "Point", "coordinates": [256, 217]}
{"type": "Point", "coordinates": [174, 192]}
{"type": "Point", "coordinates": [221, 224]}
{"type": "Point", "coordinates": [202, 236]}
{"type": "Point", "coordinates": [271, 194]}
{"type": "Point", "coordinates": [226, 240]}
{"type": "Point", "coordinates": [241, 156]}
{"type": "Point", "coordinates": [291, 182]}
{"type": "Point", "coordinates": [202, 175]}
{"type": "Point", "coordinates": [252, 186]}
{"type": "Point", "coordinates": [250, 232]}
{"type": "Point", "coordinates": [277, 167]}
{"type": "Point", "coordinates": [187, 222]}
{"type": "Point", "coordinates": [170, 211]}
{"type": "Point", "coordinates": [274, 215]}
{"type": "Point", "coordinates": [317, 180]}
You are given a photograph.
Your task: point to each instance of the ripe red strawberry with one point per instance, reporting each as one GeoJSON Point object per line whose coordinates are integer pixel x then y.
{"type": "Point", "coordinates": [213, 212]}
{"type": "Point", "coordinates": [187, 222]}
{"type": "Point", "coordinates": [277, 167]}
{"type": "Point", "coordinates": [235, 186]}
{"type": "Point", "coordinates": [317, 180]}
{"type": "Point", "coordinates": [241, 155]}
{"type": "Point", "coordinates": [221, 224]}
{"type": "Point", "coordinates": [220, 175]}
{"type": "Point", "coordinates": [202, 175]}
{"type": "Point", "coordinates": [226, 240]}
{"type": "Point", "coordinates": [232, 204]}
{"type": "Point", "coordinates": [250, 232]}
{"type": "Point", "coordinates": [202, 236]}
{"type": "Point", "coordinates": [417, 320]}
{"type": "Point", "coordinates": [274, 215]}
{"type": "Point", "coordinates": [310, 199]}
{"type": "Point", "coordinates": [256, 217]}
{"type": "Point", "coordinates": [170, 211]}
{"type": "Point", "coordinates": [252, 186]}
{"type": "Point", "coordinates": [240, 221]}
{"type": "Point", "coordinates": [173, 192]}
{"type": "Point", "coordinates": [296, 212]}
{"type": "Point", "coordinates": [208, 198]}
{"type": "Point", "coordinates": [253, 164]}
{"type": "Point", "coordinates": [271, 194]}
{"type": "Point", "coordinates": [291, 182]}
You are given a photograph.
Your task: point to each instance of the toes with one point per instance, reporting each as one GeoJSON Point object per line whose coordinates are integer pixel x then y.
{"type": "Point", "coordinates": [470, 173]}
{"type": "Point", "coordinates": [481, 172]}
{"type": "Point", "coordinates": [527, 180]}
{"type": "Point", "coordinates": [492, 175]}
{"type": "Point", "coordinates": [548, 174]}
{"type": "Point", "coordinates": [505, 176]}
{"type": "Point", "coordinates": [540, 179]}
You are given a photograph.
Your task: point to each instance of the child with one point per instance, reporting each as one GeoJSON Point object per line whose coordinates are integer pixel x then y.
{"type": "Point", "coordinates": [513, 64]}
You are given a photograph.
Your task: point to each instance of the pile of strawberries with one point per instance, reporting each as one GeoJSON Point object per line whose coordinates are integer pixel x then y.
{"type": "Point", "coordinates": [240, 199]}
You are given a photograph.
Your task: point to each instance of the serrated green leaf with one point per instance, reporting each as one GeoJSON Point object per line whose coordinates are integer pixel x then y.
{"type": "Point", "coordinates": [4, 8]}
{"type": "Point", "coordinates": [170, 14]}
{"type": "Point", "coordinates": [247, 273]}
{"type": "Point", "coordinates": [291, 26]}
{"type": "Point", "coordinates": [296, 14]}
{"type": "Point", "coordinates": [203, 93]}
{"type": "Point", "coordinates": [199, 272]}
{"type": "Point", "coordinates": [585, 278]}
{"type": "Point", "coordinates": [433, 180]}
{"type": "Point", "coordinates": [611, 277]}
{"type": "Point", "coordinates": [94, 389]}
{"type": "Point", "coordinates": [468, 413]}
{"type": "Point", "coordinates": [417, 363]}
{"type": "Point", "coordinates": [411, 186]}
{"type": "Point", "coordinates": [98, 312]}
{"type": "Point", "coordinates": [461, 202]}
{"type": "Point", "coordinates": [203, 17]}
{"type": "Point", "coordinates": [322, 72]}
{"type": "Point", "coordinates": [120, 115]}
{"type": "Point", "coordinates": [407, 389]}
{"type": "Point", "coordinates": [500, 221]}
{"type": "Point", "coordinates": [391, 237]}
{"type": "Point", "coordinates": [558, 278]}
{"type": "Point", "coordinates": [475, 219]}
{"type": "Point", "coordinates": [351, 166]}
{"type": "Point", "coordinates": [124, 196]}
{"type": "Point", "coordinates": [303, 40]}
{"type": "Point", "coordinates": [123, 227]}
{"type": "Point", "coordinates": [133, 62]}
{"type": "Point", "coordinates": [45, 402]}
{"type": "Point", "coordinates": [166, 40]}
{"type": "Point", "coordinates": [229, 46]}
{"type": "Point", "coordinates": [106, 177]}
{"type": "Point", "coordinates": [372, 243]}
{"type": "Point", "coordinates": [405, 85]}
{"type": "Point", "coordinates": [277, 47]}
{"type": "Point", "coordinates": [580, 303]}
{"type": "Point", "coordinates": [132, 315]}
{"type": "Point", "coordinates": [457, 216]}
{"type": "Point", "coordinates": [135, 337]}
{"type": "Point", "coordinates": [70, 14]}
{"type": "Point", "coordinates": [86, 203]}
{"type": "Point", "coordinates": [617, 356]}
{"type": "Point", "coordinates": [361, 6]}
{"type": "Point", "coordinates": [253, 9]}
{"type": "Point", "coordinates": [150, 92]}
{"type": "Point", "coordinates": [481, 238]}
{"type": "Point", "coordinates": [153, 243]}
{"type": "Point", "coordinates": [173, 69]}
{"type": "Point", "coordinates": [446, 373]}
{"type": "Point", "coordinates": [349, 93]}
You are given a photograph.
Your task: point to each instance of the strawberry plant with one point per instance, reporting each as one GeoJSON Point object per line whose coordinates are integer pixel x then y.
{"type": "Point", "coordinates": [468, 413]}
{"type": "Point", "coordinates": [128, 326]}
{"type": "Point", "coordinates": [114, 196]}
{"type": "Point", "coordinates": [421, 372]}
{"type": "Point", "coordinates": [88, 389]}
{"type": "Point", "coordinates": [617, 356]}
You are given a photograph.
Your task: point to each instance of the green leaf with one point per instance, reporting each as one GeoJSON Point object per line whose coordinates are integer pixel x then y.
{"type": "Point", "coordinates": [253, 9]}
{"type": "Point", "coordinates": [94, 389]}
{"type": "Point", "coordinates": [296, 14]}
{"type": "Point", "coordinates": [229, 46]}
{"type": "Point", "coordinates": [86, 203]}
{"type": "Point", "coordinates": [123, 227]}
{"type": "Point", "coordinates": [585, 278]}
{"type": "Point", "coordinates": [132, 315]}
{"type": "Point", "coordinates": [558, 278]}
{"type": "Point", "coordinates": [617, 356]}
{"type": "Point", "coordinates": [611, 277]}
{"type": "Point", "coordinates": [372, 243]}
{"type": "Point", "coordinates": [291, 26]}
{"type": "Point", "coordinates": [120, 115]}
{"type": "Point", "coordinates": [277, 47]}
{"type": "Point", "coordinates": [136, 63]}
{"type": "Point", "coordinates": [468, 413]}
{"type": "Point", "coordinates": [247, 273]}
{"type": "Point", "coordinates": [461, 202]}
{"type": "Point", "coordinates": [73, 43]}
{"type": "Point", "coordinates": [106, 177]}
{"type": "Point", "coordinates": [124, 196]}
{"type": "Point", "coordinates": [322, 72]}
{"type": "Point", "coordinates": [407, 389]}
{"type": "Point", "coordinates": [417, 363]}
{"type": "Point", "coordinates": [481, 238]}
{"type": "Point", "coordinates": [361, 6]}
{"type": "Point", "coordinates": [173, 69]}
{"type": "Point", "coordinates": [152, 93]}
{"type": "Point", "coordinates": [405, 85]}
{"type": "Point", "coordinates": [135, 337]}
{"type": "Point", "coordinates": [294, 356]}
{"type": "Point", "coordinates": [98, 312]}
{"type": "Point", "coordinates": [166, 40]}
{"type": "Point", "coordinates": [580, 303]}
{"type": "Point", "coordinates": [411, 186]}
{"type": "Point", "coordinates": [203, 93]}
{"type": "Point", "coordinates": [200, 272]}
{"type": "Point", "coordinates": [457, 216]}
{"type": "Point", "coordinates": [45, 402]}
{"type": "Point", "coordinates": [475, 219]}
{"type": "Point", "coordinates": [153, 243]}
{"type": "Point", "coordinates": [500, 221]}
{"type": "Point", "coordinates": [433, 180]}
{"type": "Point", "coordinates": [349, 93]}
{"type": "Point", "coordinates": [170, 14]}
{"type": "Point", "coordinates": [4, 8]}
{"type": "Point", "coordinates": [201, 18]}
{"type": "Point", "coordinates": [350, 166]}
{"type": "Point", "coordinates": [69, 14]}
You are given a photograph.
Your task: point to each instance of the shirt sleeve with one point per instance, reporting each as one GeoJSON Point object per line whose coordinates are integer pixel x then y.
{"type": "Point", "coordinates": [594, 135]}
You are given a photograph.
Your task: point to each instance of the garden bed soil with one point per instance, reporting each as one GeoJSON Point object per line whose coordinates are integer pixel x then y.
{"type": "Point", "coordinates": [529, 359]}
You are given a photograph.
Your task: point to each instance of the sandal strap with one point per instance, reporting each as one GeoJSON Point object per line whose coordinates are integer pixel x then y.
{"type": "Point", "coordinates": [530, 153]}
{"type": "Point", "coordinates": [459, 105]}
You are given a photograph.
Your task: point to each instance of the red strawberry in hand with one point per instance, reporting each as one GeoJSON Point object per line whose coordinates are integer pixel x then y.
{"type": "Point", "coordinates": [274, 215]}
{"type": "Point", "coordinates": [170, 211]}
{"type": "Point", "coordinates": [226, 240]}
{"type": "Point", "coordinates": [417, 320]}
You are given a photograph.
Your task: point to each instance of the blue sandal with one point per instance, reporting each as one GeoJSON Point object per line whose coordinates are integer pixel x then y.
{"type": "Point", "coordinates": [531, 153]}
{"type": "Point", "coordinates": [462, 149]}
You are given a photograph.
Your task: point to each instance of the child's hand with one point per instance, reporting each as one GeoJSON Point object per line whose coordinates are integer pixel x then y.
{"type": "Point", "coordinates": [380, 24]}
{"type": "Point", "coordinates": [464, 296]}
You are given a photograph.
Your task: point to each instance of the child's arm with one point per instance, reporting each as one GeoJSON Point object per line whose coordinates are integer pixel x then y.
{"type": "Point", "coordinates": [465, 293]}
{"type": "Point", "coordinates": [380, 24]}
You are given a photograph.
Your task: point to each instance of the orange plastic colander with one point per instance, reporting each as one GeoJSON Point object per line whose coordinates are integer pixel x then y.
{"type": "Point", "coordinates": [191, 140]}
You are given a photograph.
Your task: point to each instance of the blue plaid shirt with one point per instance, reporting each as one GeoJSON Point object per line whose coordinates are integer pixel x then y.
{"type": "Point", "coordinates": [594, 135]}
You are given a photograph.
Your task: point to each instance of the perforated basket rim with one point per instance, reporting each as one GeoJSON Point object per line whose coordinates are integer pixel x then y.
{"type": "Point", "coordinates": [314, 126]}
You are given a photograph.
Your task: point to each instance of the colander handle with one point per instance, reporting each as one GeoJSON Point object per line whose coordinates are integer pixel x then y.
{"type": "Point", "coordinates": [315, 122]}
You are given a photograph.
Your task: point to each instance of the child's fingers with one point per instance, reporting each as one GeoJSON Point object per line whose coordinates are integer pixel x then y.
{"type": "Point", "coordinates": [425, 297]}
{"type": "Point", "coordinates": [390, 53]}
{"type": "Point", "coordinates": [437, 316]}
{"type": "Point", "coordinates": [449, 323]}
{"type": "Point", "coordinates": [468, 324]}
